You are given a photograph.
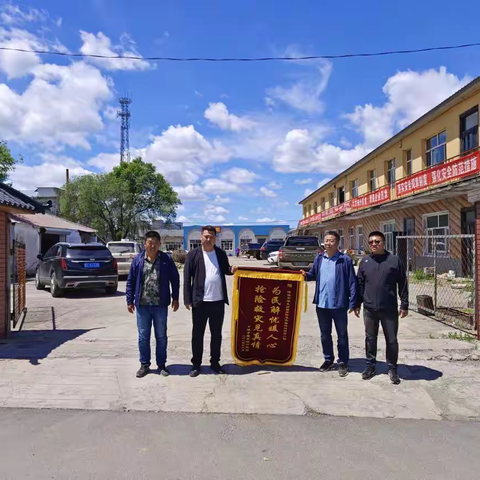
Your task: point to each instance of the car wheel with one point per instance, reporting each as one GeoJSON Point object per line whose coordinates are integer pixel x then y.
{"type": "Point", "coordinates": [38, 284]}
{"type": "Point", "coordinates": [55, 290]}
{"type": "Point", "coordinates": [111, 290]}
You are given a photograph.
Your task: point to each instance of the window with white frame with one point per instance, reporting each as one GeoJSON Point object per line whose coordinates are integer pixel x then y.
{"type": "Point", "coordinates": [388, 228]}
{"type": "Point", "coordinates": [332, 199]}
{"type": "Point", "coordinates": [360, 238]}
{"type": "Point", "coordinates": [194, 244]}
{"type": "Point", "coordinates": [309, 209]}
{"type": "Point", "coordinates": [438, 225]}
{"type": "Point", "coordinates": [342, 240]}
{"type": "Point", "coordinates": [171, 246]}
{"type": "Point", "coordinates": [354, 188]}
{"type": "Point", "coordinates": [340, 195]}
{"type": "Point", "coordinates": [352, 238]}
{"type": "Point", "coordinates": [391, 171]}
{"type": "Point", "coordinates": [227, 245]}
{"type": "Point", "coordinates": [244, 241]}
{"type": "Point", "coordinates": [372, 180]}
{"type": "Point", "coordinates": [305, 213]}
{"type": "Point", "coordinates": [315, 207]}
{"type": "Point", "coordinates": [408, 162]}
{"type": "Point", "coordinates": [436, 149]}
{"type": "Point", "coordinates": [323, 204]}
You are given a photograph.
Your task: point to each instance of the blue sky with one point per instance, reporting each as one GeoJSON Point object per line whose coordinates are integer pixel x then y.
{"type": "Point", "coordinates": [240, 142]}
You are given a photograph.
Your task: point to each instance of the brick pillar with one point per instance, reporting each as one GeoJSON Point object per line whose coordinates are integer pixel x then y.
{"type": "Point", "coordinates": [477, 266]}
{"type": "Point", "coordinates": [3, 275]}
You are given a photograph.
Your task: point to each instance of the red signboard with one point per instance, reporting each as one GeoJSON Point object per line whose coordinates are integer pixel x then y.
{"type": "Point", "coordinates": [370, 199]}
{"type": "Point", "coordinates": [463, 167]}
{"type": "Point", "coordinates": [266, 316]}
{"type": "Point", "coordinates": [365, 201]}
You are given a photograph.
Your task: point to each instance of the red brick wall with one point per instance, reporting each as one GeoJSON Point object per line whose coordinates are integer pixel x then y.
{"type": "Point", "coordinates": [3, 274]}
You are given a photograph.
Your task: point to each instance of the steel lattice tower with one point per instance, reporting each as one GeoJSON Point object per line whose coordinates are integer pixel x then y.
{"type": "Point", "coordinates": [124, 113]}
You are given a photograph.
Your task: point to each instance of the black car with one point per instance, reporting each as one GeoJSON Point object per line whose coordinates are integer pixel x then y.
{"type": "Point", "coordinates": [270, 246]}
{"type": "Point", "coordinates": [68, 266]}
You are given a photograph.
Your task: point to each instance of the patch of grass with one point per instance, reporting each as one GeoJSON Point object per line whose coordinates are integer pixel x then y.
{"type": "Point", "coordinates": [465, 337]}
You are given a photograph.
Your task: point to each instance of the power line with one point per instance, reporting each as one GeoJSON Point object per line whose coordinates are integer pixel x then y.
{"type": "Point", "coordinates": [248, 59]}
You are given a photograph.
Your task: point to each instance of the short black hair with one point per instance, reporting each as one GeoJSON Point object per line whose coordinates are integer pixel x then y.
{"type": "Point", "coordinates": [152, 234]}
{"type": "Point", "coordinates": [334, 233]}
{"type": "Point", "coordinates": [209, 228]}
{"type": "Point", "coordinates": [376, 233]}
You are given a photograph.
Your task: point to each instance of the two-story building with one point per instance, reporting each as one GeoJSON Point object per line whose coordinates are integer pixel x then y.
{"type": "Point", "coordinates": [424, 181]}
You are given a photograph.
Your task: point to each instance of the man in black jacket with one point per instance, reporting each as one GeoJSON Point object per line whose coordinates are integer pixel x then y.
{"type": "Point", "coordinates": [381, 277]}
{"type": "Point", "coordinates": [205, 292]}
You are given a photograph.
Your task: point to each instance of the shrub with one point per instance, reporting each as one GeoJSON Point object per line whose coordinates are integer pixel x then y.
{"type": "Point", "coordinates": [179, 256]}
{"type": "Point", "coordinates": [419, 275]}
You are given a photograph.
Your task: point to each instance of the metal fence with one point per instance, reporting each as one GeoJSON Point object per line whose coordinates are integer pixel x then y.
{"type": "Point", "coordinates": [441, 276]}
{"type": "Point", "coordinates": [19, 277]}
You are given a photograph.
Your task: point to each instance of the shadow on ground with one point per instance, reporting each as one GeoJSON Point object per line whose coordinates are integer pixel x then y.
{"type": "Point", "coordinates": [232, 369]}
{"type": "Point", "coordinates": [405, 372]}
{"type": "Point", "coordinates": [34, 345]}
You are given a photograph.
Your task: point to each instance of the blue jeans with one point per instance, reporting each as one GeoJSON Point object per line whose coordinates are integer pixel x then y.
{"type": "Point", "coordinates": [339, 316]}
{"type": "Point", "coordinates": [145, 317]}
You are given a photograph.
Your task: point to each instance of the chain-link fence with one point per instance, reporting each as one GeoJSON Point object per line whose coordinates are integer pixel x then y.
{"type": "Point", "coordinates": [441, 276]}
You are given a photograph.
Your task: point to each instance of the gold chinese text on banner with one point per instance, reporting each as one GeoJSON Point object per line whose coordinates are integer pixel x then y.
{"type": "Point", "coordinates": [266, 315]}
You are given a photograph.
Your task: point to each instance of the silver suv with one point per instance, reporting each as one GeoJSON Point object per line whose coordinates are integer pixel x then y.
{"type": "Point", "coordinates": [124, 252]}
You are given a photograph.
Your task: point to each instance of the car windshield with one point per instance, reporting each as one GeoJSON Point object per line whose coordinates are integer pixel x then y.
{"type": "Point", "coordinates": [88, 252]}
{"type": "Point", "coordinates": [302, 242]}
{"type": "Point", "coordinates": [121, 247]}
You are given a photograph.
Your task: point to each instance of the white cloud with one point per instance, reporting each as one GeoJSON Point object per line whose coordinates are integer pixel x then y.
{"type": "Point", "coordinates": [219, 115]}
{"type": "Point", "coordinates": [243, 219]}
{"type": "Point", "coordinates": [266, 220]}
{"type": "Point", "coordinates": [218, 186]}
{"type": "Point", "coordinates": [322, 182]}
{"type": "Point", "coordinates": [260, 210]}
{"type": "Point", "coordinates": [182, 219]}
{"type": "Point", "coordinates": [60, 106]}
{"type": "Point", "coordinates": [12, 14]}
{"type": "Point", "coordinates": [275, 185]}
{"type": "Point", "coordinates": [191, 192]}
{"type": "Point", "coordinates": [239, 175]}
{"type": "Point", "coordinates": [214, 210]}
{"type": "Point", "coordinates": [181, 154]}
{"type": "Point", "coordinates": [305, 181]}
{"type": "Point", "coordinates": [110, 112]}
{"type": "Point", "coordinates": [50, 173]}
{"type": "Point", "coordinates": [307, 192]}
{"type": "Point", "coordinates": [100, 44]}
{"type": "Point", "coordinates": [267, 192]}
{"type": "Point", "coordinates": [221, 200]}
{"type": "Point", "coordinates": [409, 94]}
{"type": "Point", "coordinates": [304, 94]}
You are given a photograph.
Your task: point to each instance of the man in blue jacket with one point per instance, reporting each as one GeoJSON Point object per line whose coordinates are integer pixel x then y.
{"type": "Point", "coordinates": [151, 275]}
{"type": "Point", "coordinates": [335, 297]}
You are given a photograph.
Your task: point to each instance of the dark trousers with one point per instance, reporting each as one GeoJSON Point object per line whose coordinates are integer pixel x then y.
{"type": "Point", "coordinates": [389, 321]}
{"type": "Point", "coordinates": [213, 312]}
{"type": "Point", "coordinates": [339, 316]}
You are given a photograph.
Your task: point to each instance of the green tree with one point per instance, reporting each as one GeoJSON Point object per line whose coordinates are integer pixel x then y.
{"type": "Point", "coordinates": [118, 203]}
{"type": "Point", "coordinates": [7, 161]}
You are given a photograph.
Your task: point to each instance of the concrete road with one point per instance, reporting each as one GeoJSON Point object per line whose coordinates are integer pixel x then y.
{"type": "Point", "coordinates": [141, 445]}
{"type": "Point", "coordinates": [81, 352]}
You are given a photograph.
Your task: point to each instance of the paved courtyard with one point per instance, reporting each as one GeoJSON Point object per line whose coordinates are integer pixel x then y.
{"type": "Point", "coordinates": [80, 352]}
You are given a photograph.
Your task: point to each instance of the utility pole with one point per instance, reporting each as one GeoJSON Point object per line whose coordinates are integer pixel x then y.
{"type": "Point", "coordinates": [124, 113]}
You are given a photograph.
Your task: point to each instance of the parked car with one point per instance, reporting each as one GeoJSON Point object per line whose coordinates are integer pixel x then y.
{"type": "Point", "coordinates": [299, 252]}
{"type": "Point", "coordinates": [68, 266]}
{"type": "Point", "coordinates": [269, 247]}
{"type": "Point", "coordinates": [273, 258]}
{"type": "Point", "coordinates": [124, 252]}
{"type": "Point", "coordinates": [252, 250]}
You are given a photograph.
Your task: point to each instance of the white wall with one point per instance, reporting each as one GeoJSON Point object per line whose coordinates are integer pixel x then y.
{"type": "Point", "coordinates": [227, 234]}
{"type": "Point", "coordinates": [277, 234]}
{"type": "Point", "coordinates": [29, 235]}
{"type": "Point", "coordinates": [247, 233]}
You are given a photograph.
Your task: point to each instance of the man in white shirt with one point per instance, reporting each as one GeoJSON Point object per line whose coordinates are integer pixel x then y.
{"type": "Point", "coordinates": [205, 292]}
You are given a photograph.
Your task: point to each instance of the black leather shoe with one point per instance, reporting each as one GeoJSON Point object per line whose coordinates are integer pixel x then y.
{"type": "Point", "coordinates": [369, 373]}
{"type": "Point", "coordinates": [392, 373]}
{"type": "Point", "coordinates": [326, 366]}
{"type": "Point", "coordinates": [342, 370]}
{"type": "Point", "coordinates": [218, 369]}
{"type": "Point", "coordinates": [194, 372]}
{"type": "Point", "coordinates": [163, 371]}
{"type": "Point", "coordinates": [144, 370]}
